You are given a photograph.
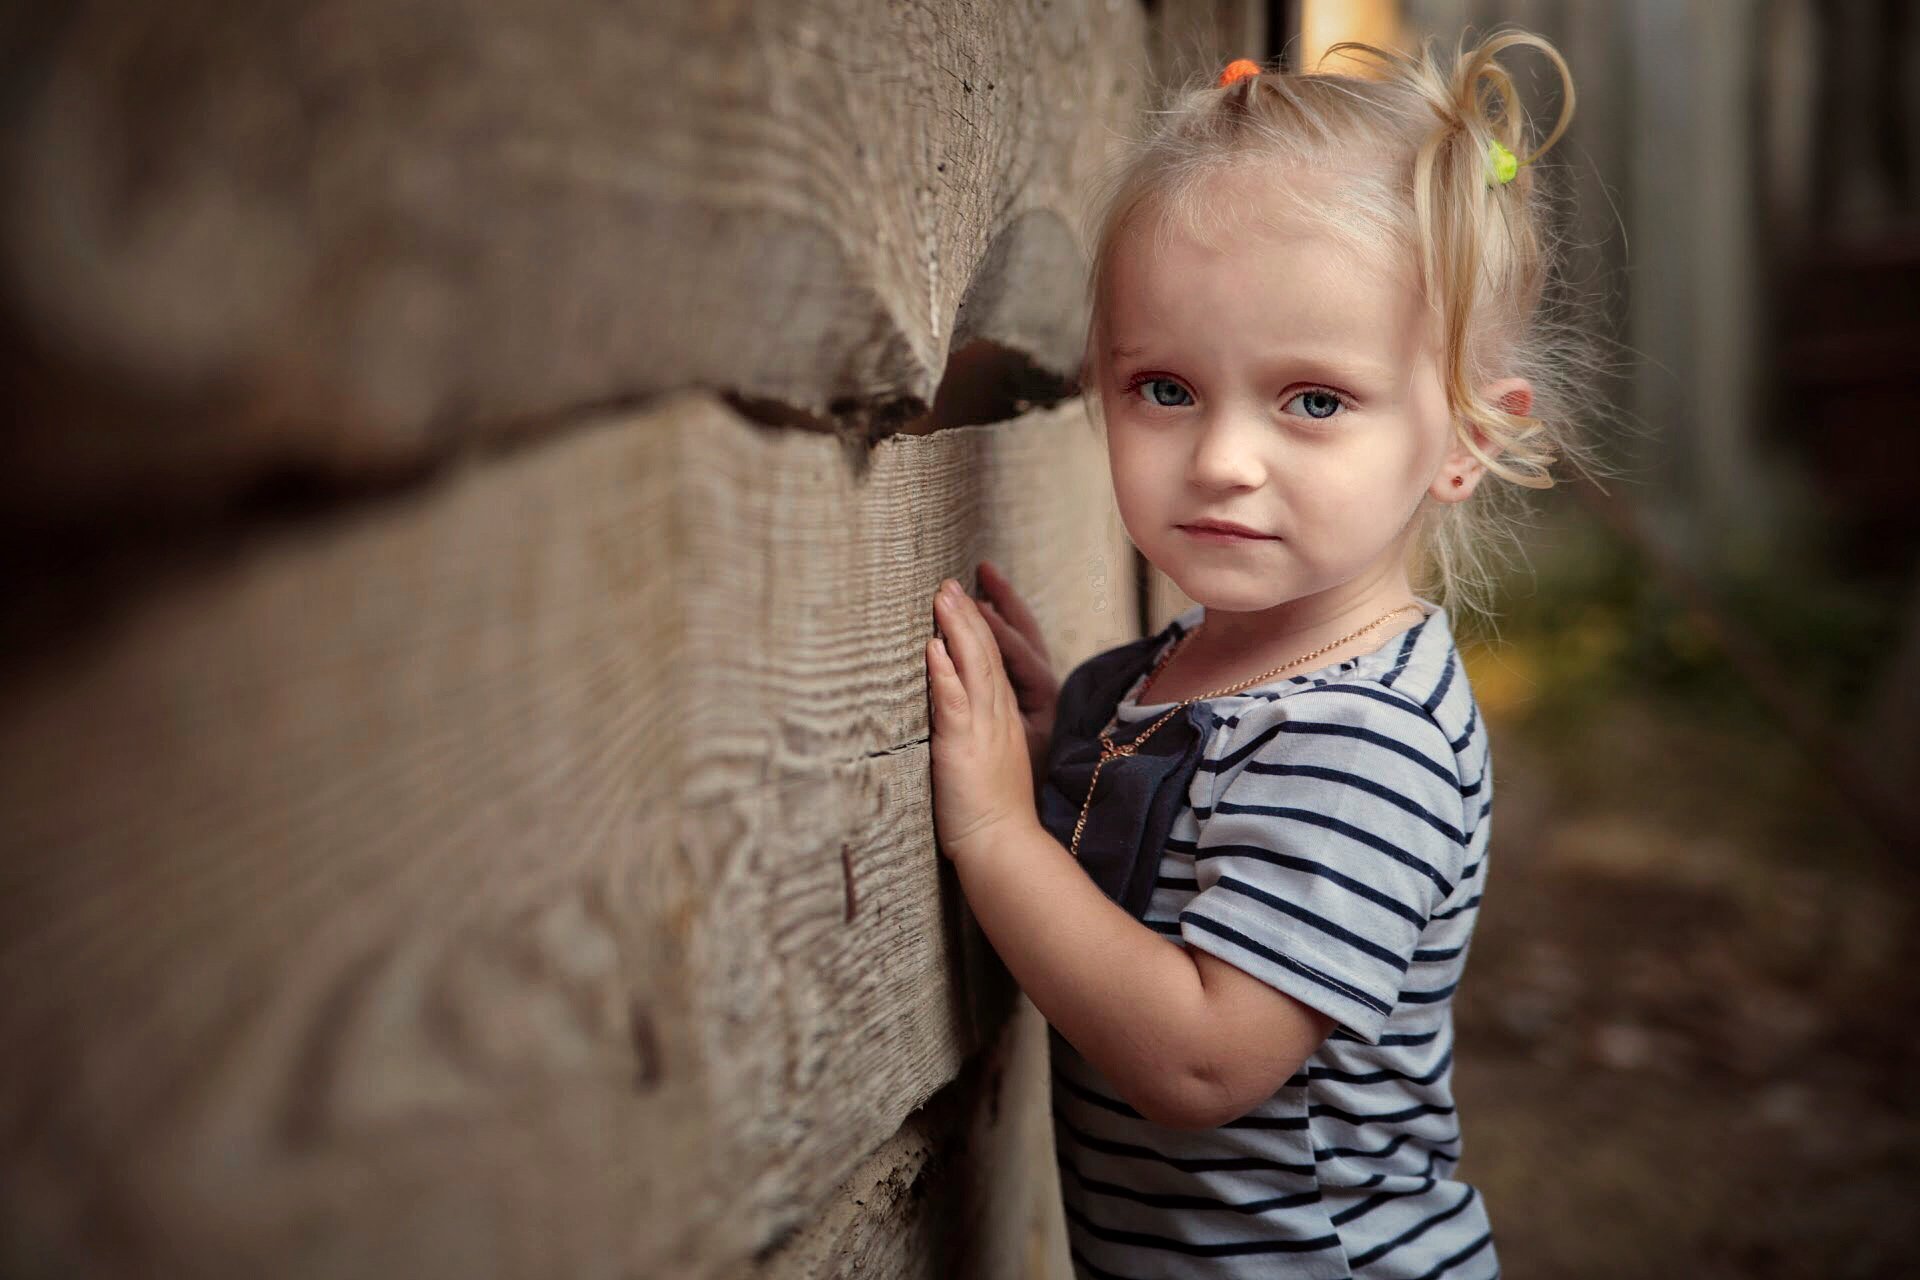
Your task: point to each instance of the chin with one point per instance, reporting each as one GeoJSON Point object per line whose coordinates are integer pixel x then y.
{"type": "Point", "coordinates": [1226, 590]}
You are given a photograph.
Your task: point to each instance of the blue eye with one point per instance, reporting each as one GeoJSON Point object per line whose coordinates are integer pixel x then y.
{"type": "Point", "coordinates": [1316, 404]}
{"type": "Point", "coordinates": [1153, 396]}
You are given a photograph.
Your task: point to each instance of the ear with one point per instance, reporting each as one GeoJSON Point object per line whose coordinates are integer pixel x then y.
{"type": "Point", "coordinates": [1512, 395]}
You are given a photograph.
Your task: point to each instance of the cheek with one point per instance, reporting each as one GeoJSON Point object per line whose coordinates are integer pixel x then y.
{"type": "Point", "coordinates": [1359, 494]}
{"type": "Point", "coordinates": [1124, 465]}
{"type": "Point", "coordinates": [1132, 457]}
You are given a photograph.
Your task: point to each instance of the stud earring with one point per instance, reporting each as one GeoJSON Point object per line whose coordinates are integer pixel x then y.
{"type": "Point", "coordinates": [1458, 481]}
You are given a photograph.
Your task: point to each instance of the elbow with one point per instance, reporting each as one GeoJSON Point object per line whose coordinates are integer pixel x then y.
{"type": "Point", "coordinates": [1177, 1113]}
{"type": "Point", "coordinates": [1202, 1100]}
{"type": "Point", "coordinates": [1211, 1095]}
{"type": "Point", "coordinates": [1170, 1100]}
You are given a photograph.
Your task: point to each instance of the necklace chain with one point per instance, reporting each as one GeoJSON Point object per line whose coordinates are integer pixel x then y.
{"type": "Point", "coordinates": [1110, 750]}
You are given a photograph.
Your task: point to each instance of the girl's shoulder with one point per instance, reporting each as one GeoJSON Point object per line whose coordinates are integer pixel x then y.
{"type": "Point", "coordinates": [1410, 694]}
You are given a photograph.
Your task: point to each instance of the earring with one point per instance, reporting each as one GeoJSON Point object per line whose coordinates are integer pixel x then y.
{"type": "Point", "coordinates": [1458, 481]}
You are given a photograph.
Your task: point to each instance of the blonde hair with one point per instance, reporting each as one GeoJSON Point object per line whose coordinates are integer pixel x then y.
{"type": "Point", "coordinates": [1407, 150]}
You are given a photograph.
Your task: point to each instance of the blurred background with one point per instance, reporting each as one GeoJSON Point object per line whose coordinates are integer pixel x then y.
{"type": "Point", "coordinates": [1691, 1032]}
{"type": "Point", "coordinates": [473, 474]}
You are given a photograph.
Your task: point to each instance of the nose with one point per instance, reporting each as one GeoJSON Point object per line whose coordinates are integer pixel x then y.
{"type": "Point", "coordinates": [1226, 453]}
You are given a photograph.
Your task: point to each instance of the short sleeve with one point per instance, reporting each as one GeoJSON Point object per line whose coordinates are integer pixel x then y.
{"type": "Point", "coordinates": [1332, 835]}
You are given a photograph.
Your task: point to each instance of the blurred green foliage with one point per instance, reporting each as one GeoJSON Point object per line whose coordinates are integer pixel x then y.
{"type": "Point", "coordinates": [1588, 618]}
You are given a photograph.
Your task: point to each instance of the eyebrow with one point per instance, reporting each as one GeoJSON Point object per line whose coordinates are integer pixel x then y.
{"type": "Point", "coordinates": [1339, 367]}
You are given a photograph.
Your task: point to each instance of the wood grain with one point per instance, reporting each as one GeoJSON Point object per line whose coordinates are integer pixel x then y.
{"type": "Point", "coordinates": [967, 1187]}
{"type": "Point", "coordinates": [462, 887]}
{"type": "Point", "coordinates": [345, 239]}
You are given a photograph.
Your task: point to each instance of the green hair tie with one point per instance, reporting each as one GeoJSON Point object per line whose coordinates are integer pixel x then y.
{"type": "Point", "coordinates": [1501, 164]}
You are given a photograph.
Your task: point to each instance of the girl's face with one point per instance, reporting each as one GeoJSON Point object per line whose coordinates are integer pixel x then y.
{"type": "Point", "coordinates": [1280, 384]}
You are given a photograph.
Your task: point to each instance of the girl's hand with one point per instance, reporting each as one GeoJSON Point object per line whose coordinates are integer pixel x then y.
{"type": "Point", "coordinates": [1029, 668]}
{"type": "Point", "coordinates": [982, 776]}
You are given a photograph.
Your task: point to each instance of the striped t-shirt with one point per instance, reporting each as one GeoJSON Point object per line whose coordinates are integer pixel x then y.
{"type": "Point", "coordinates": [1333, 845]}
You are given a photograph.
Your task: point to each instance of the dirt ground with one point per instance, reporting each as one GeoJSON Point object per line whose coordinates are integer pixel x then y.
{"type": "Point", "coordinates": [1689, 1029]}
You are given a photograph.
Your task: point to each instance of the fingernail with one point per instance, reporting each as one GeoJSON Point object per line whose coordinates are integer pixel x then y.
{"type": "Point", "coordinates": [951, 587]}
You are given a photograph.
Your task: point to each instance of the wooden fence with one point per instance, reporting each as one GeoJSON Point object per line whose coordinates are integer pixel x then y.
{"type": "Point", "coordinates": [478, 476]}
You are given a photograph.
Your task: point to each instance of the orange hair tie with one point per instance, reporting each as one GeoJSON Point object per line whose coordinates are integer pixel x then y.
{"type": "Point", "coordinates": [1237, 70]}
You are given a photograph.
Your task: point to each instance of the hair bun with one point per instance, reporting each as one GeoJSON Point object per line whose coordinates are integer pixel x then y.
{"type": "Point", "coordinates": [1237, 70]}
{"type": "Point", "coordinates": [1485, 100]}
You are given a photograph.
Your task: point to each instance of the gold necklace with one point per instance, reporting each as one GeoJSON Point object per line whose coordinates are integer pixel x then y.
{"type": "Point", "coordinates": [1110, 750]}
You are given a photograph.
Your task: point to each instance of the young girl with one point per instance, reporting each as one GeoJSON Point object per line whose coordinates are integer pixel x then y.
{"type": "Point", "coordinates": [1319, 348]}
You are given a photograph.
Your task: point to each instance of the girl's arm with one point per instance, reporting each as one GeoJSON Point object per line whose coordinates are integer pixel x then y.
{"type": "Point", "coordinates": [1128, 1001]}
{"type": "Point", "coordinates": [1187, 1039]}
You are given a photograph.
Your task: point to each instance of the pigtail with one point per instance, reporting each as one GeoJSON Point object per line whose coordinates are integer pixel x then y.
{"type": "Point", "coordinates": [1238, 96]}
{"type": "Point", "coordinates": [1480, 240]}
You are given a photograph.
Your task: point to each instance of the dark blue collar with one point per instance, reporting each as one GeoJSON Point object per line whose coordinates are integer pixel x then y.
{"type": "Point", "coordinates": [1138, 796]}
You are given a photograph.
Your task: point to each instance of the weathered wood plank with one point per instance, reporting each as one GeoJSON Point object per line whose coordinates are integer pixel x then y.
{"type": "Point", "coordinates": [349, 237]}
{"type": "Point", "coordinates": [527, 875]}
{"type": "Point", "coordinates": [967, 1187]}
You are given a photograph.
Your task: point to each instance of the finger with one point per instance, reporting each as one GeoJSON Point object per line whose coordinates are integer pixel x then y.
{"type": "Point", "coordinates": [1011, 606]}
{"type": "Point", "coordinates": [967, 641]}
{"type": "Point", "coordinates": [949, 695]}
{"type": "Point", "coordinates": [1029, 672]}
{"type": "Point", "coordinates": [993, 662]}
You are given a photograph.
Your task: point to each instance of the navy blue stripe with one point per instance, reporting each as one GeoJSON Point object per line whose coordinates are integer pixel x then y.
{"type": "Point", "coordinates": [1451, 1261]}
{"type": "Point", "coordinates": [1373, 1202]}
{"type": "Point", "coordinates": [1329, 729]}
{"type": "Point", "coordinates": [1188, 1164]}
{"type": "Point", "coordinates": [1395, 1039]}
{"type": "Point", "coordinates": [1468, 905]}
{"type": "Point", "coordinates": [1382, 1077]}
{"type": "Point", "coordinates": [1378, 1153]}
{"type": "Point", "coordinates": [1354, 780]}
{"type": "Point", "coordinates": [1226, 1249]}
{"type": "Point", "coordinates": [1392, 697]}
{"type": "Point", "coordinates": [1444, 772]}
{"type": "Point", "coordinates": [1434, 996]}
{"type": "Point", "coordinates": [1363, 945]}
{"type": "Point", "coordinates": [1360, 889]}
{"type": "Point", "coordinates": [1406, 651]}
{"type": "Point", "coordinates": [1414, 1232]}
{"type": "Point", "coordinates": [1284, 1123]}
{"type": "Point", "coordinates": [1265, 1123]}
{"type": "Point", "coordinates": [1459, 744]}
{"type": "Point", "coordinates": [1440, 690]}
{"type": "Point", "coordinates": [1176, 882]}
{"type": "Point", "coordinates": [1438, 953]}
{"type": "Point", "coordinates": [1347, 829]}
{"type": "Point", "coordinates": [1274, 957]}
{"type": "Point", "coordinates": [1168, 1200]}
{"type": "Point", "coordinates": [1378, 1178]}
{"type": "Point", "coordinates": [1384, 1117]}
{"type": "Point", "coordinates": [1081, 1091]}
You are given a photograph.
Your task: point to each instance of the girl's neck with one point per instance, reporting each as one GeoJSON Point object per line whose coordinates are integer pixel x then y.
{"type": "Point", "coordinates": [1232, 646]}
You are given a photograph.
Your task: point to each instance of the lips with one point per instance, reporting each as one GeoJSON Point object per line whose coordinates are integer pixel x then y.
{"type": "Point", "coordinates": [1225, 528]}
